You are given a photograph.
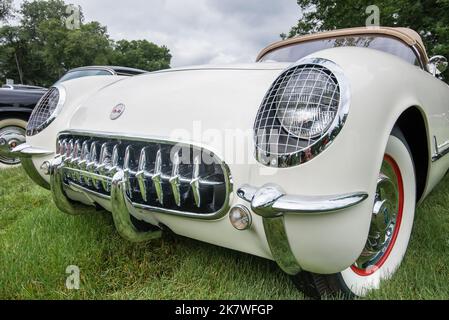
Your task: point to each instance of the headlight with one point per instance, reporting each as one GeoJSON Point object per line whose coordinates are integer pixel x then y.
{"type": "Point", "coordinates": [46, 110]}
{"type": "Point", "coordinates": [302, 113]}
{"type": "Point", "coordinates": [308, 102]}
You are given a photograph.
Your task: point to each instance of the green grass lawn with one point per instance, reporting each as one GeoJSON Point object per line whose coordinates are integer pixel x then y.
{"type": "Point", "coordinates": [37, 243]}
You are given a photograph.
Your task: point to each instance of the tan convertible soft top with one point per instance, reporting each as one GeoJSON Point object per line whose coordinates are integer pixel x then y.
{"type": "Point", "coordinates": [406, 35]}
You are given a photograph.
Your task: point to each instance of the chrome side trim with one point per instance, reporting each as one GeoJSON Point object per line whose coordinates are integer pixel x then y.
{"type": "Point", "coordinates": [272, 203]}
{"type": "Point", "coordinates": [440, 150]}
{"type": "Point", "coordinates": [26, 151]}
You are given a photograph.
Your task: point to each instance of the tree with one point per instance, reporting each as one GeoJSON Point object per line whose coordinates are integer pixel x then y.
{"type": "Point", "coordinates": [42, 48]}
{"type": "Point", "coordinates": [5, 9]}
{"type": "Point", "coordinates": [430, 18]}
{"type": "Point", "coordinates": [140, 54]}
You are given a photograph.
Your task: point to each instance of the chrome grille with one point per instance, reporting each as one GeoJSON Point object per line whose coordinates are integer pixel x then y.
{"type": "Point", "coordinates": [160, 175]}
{"type": "Point", "coordinates": [42, 114]}
{"type": "Point", "coordinates": [305, 86]}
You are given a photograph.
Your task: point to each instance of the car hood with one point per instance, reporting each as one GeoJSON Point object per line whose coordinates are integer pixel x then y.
{"type": "Point", "coordinates": [186, 102]}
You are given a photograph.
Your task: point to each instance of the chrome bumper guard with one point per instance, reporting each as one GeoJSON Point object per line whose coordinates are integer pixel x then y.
{"type": "Point", "coordinates": [120, 203]}
{"type": "Point", "coordinates": [272, 203]}
{"type": "Point", "coordinates": [25, 152]}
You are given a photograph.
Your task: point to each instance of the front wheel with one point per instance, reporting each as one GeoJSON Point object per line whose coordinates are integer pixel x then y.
{"type": "Point", "coordinates": [390, 229]}
{"type": "Point", "coordinates": [16, 126]}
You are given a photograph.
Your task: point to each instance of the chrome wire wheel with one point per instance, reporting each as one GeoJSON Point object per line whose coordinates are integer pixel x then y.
{"type": "Point", "coordinates": [12, 144]}
{"type": "Point", "coordinates": [386, 219]}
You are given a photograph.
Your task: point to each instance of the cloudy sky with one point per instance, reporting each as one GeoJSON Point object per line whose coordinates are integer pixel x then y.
{"type": "Point", "coordinates": [196, 31]}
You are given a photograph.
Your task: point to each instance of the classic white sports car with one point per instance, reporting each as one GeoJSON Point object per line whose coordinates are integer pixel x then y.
{"type": "Point", "coordinates": [315, 156]}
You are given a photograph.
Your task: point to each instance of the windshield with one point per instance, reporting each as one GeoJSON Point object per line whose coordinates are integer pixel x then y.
{"type": "Point", "coordinates": [298, 51]}
{"type": "Point", "coordinates": [83, 73]}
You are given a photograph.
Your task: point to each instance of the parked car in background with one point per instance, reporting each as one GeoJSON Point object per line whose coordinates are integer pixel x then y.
{"type": "Point", "coordinates": [18, 101]}
{"type": "Point", "coordinates": [100, 71]}
{"type": "Point", "coordinates": [16, 104]}
{"type": "Point", "coordinates": [22, 87]}
{"type": "Point", "coordinates": [348, 134]}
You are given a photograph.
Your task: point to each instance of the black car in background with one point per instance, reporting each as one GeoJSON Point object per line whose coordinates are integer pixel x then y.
{"type": "Point", "coordinates": [16, 104]}
{"type": "Point", "coordinates": [18, 101]}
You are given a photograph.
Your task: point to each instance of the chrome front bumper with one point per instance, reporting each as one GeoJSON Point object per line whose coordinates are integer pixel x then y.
{"type": "Point", "coordinates": [271, 203]}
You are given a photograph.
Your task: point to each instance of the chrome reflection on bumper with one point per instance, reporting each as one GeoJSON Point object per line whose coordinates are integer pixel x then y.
{"type": "Point", "coordinates": [272, 203]}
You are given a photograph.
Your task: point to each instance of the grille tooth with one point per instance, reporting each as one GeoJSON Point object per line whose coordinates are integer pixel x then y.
{"type": "Point", "coordinates": [63, 148]}
{"type": "Point", "coordinates": [69, 150]}
{"type": "Point", "coordinates": [69, 153]}
{"type": "Point", "coordinates": [114, 160]}
{"type": "Point", "coordinates": [175, 178]}
{"type": "Point", "coordinates": [77, 148]}
{"type": "Point", "coordinates": [156, 175]}
{"type": "Point", "coordinates": [104, 162]}
{"type": "Point", "coordinates": [195, 183]}
{"type": "Point", "coordinates": [76, 151]}
{"type": "Point", "coordinates": [90, 165]}
{"type": "Point", "coordinates": [142, 174]}
{"type": "Point", "coordinates": [127, 169]}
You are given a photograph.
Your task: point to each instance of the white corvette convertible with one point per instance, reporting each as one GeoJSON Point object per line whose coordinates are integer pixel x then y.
{"type": "Point", "coordinates": [336, 138]}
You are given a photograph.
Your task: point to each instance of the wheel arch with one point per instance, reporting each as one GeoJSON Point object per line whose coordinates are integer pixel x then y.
{"type": "Point", "coordinates": [414, 126]}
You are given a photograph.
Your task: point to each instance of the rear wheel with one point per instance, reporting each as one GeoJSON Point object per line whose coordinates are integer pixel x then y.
{"type": "Point", "coordinates": [391, 226]}
{"type": "Point", "coordinates": [17, 126]}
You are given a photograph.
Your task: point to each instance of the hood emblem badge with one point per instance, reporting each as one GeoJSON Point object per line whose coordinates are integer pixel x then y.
{"type": "Point", "coordinates": [117, 111]}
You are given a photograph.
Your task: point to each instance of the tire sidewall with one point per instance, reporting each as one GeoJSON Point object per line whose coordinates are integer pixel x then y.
{"type": "Point", "coordinates": [360, 285]}
{"type": "Point", "coordinates": [13, 122]}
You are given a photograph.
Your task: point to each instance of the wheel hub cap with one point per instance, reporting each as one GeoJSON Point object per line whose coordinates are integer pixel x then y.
{"type": "Point", "coordinates": [10, 137]}
{"type": "Point", "coordinates": [385, 221]}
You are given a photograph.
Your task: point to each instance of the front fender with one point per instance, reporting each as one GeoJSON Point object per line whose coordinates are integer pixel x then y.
{"type": "Point", "coordinates": [382, 88]}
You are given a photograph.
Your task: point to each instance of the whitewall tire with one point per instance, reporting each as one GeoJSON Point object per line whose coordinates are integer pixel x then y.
{"type": "Point", "coordinates": [390, 230]}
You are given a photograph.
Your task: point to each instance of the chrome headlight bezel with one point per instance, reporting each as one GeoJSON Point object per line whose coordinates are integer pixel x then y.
{"type": "Point", "coordinates": [56, 109]}
{"type": "Point", "coordinates": [271, 150]}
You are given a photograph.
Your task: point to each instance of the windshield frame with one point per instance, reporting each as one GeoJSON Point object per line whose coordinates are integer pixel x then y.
{"type": "Point", "coordinates": [417, 51]}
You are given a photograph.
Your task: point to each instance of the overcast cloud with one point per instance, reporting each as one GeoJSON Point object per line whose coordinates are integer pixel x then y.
{"type": "Point", "coordinates": [196, 31]}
